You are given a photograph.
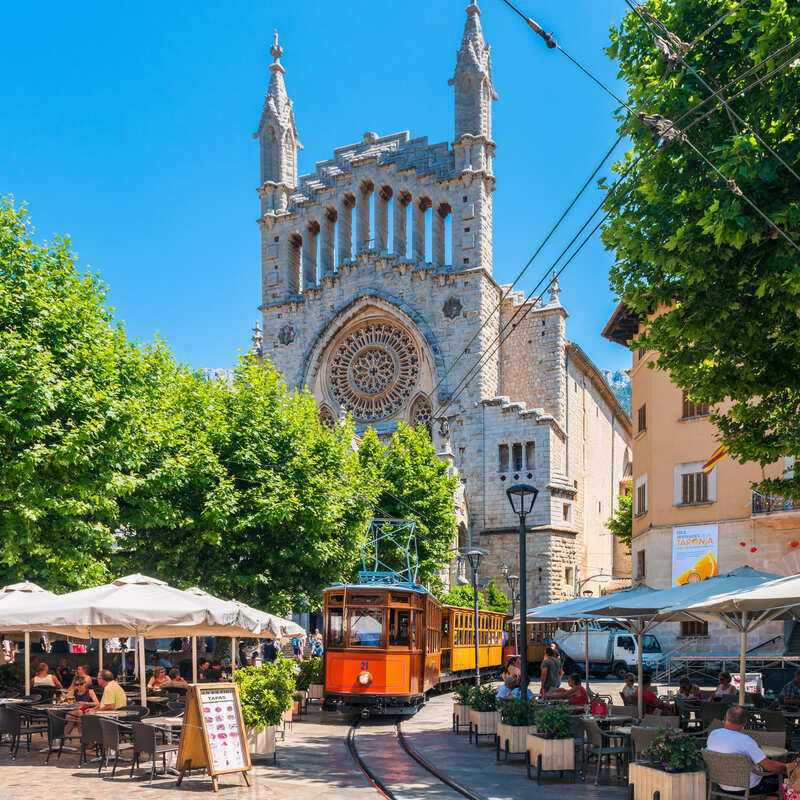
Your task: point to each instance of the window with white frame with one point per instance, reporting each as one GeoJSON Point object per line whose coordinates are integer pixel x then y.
{"type": "Point", "coordinates": [693, 486]}
{"type": "Point", "coordinates": [641, 495]}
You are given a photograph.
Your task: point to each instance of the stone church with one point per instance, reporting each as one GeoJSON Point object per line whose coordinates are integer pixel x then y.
{"type": "Point", "coordinates": [378, 296]}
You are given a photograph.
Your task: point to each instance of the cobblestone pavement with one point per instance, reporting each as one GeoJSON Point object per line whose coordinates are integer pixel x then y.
{"type": "Point", "coordinates": [314, 762]}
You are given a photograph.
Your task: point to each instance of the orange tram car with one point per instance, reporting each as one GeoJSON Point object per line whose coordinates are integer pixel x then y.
{"type": "Point", "coordinates": [387, 645]}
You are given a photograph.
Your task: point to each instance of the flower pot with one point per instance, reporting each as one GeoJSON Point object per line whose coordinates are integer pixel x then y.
{"type": "Point", "coordinates": [461, 713]}
{"type": "Point", "coordinates": [287, 715]}
{"type": "Point", "coordinates": [483, 723]}
{"type": "Point", "coordinates": [557, 754]}
{"type": "Point", "coordinates": [511, 738]}
{"type": "Point", "coordinates": [261, 742]}
{"type": "Point", "coordinates": [316, 691]}
{"type": "Point", "coordinates": [670, 785]}
{"type": "Point", "coordinates": [295, 707]}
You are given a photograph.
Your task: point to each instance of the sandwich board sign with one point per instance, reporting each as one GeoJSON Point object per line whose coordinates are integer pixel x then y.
{"type": "Point", "coordinates": [213, 735]}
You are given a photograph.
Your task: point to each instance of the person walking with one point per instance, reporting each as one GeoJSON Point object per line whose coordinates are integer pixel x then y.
{"type": "Point", "coordinates": [550, 672]}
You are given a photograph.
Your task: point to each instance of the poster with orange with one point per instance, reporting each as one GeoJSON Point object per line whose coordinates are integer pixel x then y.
{"type": "Point", "coordinates": [694, 553]}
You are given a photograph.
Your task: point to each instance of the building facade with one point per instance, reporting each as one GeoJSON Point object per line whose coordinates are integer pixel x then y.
{"type": "Point", "coordinates": [672, 439]}
{"type": "Point", "coordinates": [378, 296]}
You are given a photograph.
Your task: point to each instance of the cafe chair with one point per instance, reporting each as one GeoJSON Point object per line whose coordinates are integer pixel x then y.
{"type": "Point", "coordinates": [601, 744]}
{"type": "Point", "coordinates": [767, 738]}
{"type": "Point", "coordinates": [145, 740]}
{"type": "Point", "coordinates": [56, 723]}
{"type": "Point", "coordinates": [141, 712]}
{"type": "Point", "coordinates": [627, 701]}
{"type": "Point", "coordinates": [32, 721]}
{"type": "Point", "coordinates": [177, 708]}
{"type": "Point", "coordinates": [642, 738]}
{"type": "Point", "coordinates": [773, 720]}
{"type": "Point", "coordinates": [10, 724]}
{"type": "Point", "coordinates": [91, 733]}
{"type": "Point", "coordinates": [30, 699]}
{"type": "Point", "coordinates": [660, 721]}
{"type": "Point", "coordinates": [111, 731]}
{"type": "Point", "coordinates": [732, 770]}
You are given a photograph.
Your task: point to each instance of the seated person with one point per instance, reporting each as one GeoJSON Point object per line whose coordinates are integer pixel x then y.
{"type": "Point", "coordinates": [63, 672]}
{"type": "Point", "coordinates": [174, 676]}
{"type": "Point", "coordinates": [689, 690]}
{"type": "Point", "coordinates": [85, 696]}
{"type": "Point", "coordinates": [113, 694]}
{"type": "Point", "coordinates": [574, 693]}
{"type": "Point", "coordinates": [316, 650]}
{"type": "Point", "coordinates": [628, 691]}
{"type": "Point", "coordinates": [730, 739]}
{"type": "Point", "coordinates": [790, 694]}
{"type": "Point", "coordinates": [44, 678]}
{"type": "Point", "coordinates": [201, 669]}
{"type": "Point", "coordinates": [82, 671]}
{"type": "Point", "coordinates": [213, 674]}
{"type": "Point", "coordinates": [157, 678]}
{"type": "Point", "coordinates": [652, 705]}
{"type": "Point", "coordinates": [725, 687]}
{"type": "Point", "coordinates": [512, 667]}
{"type": "Point", "coordinates": [507, 688]}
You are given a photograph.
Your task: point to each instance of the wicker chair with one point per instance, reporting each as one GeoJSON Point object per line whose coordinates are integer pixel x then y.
{"type": "Point", "coordinates": [658, 721]}
{"type": "Point", "coordinates": [31, 722]}
{"type": "Point", "coordinates": [627, 701]}
{"type": "Point", "coordinates": [731, 770]}
{"type": "Point", "coordinates": [767, 738]}
{"type": "Point", "coordinates": [141, 712]}
{"type": "Point", "coordinates": [642, 738]}
{"type": "Point", "coordinates": [711, 711]}
{"type": "Point", "coordinates": [56, 737]}
{"type": "Point", "coordinates": [111, 731]}
{"type": "Point", "coordinates": [602, 744]}
{"type": "Point", "coordinates": [91, 733]}
{"type": "Point", "coordinates": [773, 720]}
{"type": "Point", "coordinates": [145, 740]}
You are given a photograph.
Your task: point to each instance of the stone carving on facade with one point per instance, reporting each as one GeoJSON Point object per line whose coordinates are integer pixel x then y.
{"type": "Point", "coordinates": [287, 334]}
{"type": "Point", "coordinates": [452, 307]}
{"type": "Point", "coordinates": [258, 340]}
{"type": "Point", "coordinates": [326, 417]}
{"type": "Point", "coordinates": [374, 371]}
{"type": "Point", "coordinates": [421, 413]}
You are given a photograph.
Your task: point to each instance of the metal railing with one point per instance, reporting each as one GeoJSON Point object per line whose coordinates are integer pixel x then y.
{"type": "Point", "coordinates": [764, 504]}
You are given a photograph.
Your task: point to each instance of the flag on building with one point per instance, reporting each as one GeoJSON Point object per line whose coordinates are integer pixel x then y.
{"type": "Point", "coordinates": [717, 456]}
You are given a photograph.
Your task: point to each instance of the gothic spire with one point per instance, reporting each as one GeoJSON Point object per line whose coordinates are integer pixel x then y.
{"type": "Point", "coordinates": [278, 161]}
{"type": "Point", "coordinates": [474, 90]}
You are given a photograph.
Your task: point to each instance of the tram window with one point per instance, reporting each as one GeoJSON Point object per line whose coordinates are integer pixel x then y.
{"type": "Point", "coordinates": [371, 599]}
{"type": "Point", "coordinates": [335, 627]}
{"type": "Point", "coordinates": [336, 598]}
{"type": "Point", "coordinates": [399, 628]}
{"type": "Point", "coordinates": [400, 599]}
{"type": "Point", "coordinates": [366, 626]}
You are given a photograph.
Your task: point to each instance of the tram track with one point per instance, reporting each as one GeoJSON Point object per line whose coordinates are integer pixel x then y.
{"type": "Point", "coordinates": [405, 774]}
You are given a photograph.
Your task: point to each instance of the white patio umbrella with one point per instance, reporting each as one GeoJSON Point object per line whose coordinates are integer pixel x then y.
{"type": "Point", "coordinates": [640, 614]}
{"type": "Point", "coordinates": [135, 605]}
{"type": "Point", "coordinates": [745, 611]}
{"type": "Point", "coordinates": [19, 595]}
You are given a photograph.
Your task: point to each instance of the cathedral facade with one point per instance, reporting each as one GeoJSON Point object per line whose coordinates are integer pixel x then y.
{"type": "Point", "coordinates": [378, 296]}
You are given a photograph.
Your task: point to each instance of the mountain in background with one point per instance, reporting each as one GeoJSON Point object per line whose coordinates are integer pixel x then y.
{"type": "Point", "coordinates": [620, 383]}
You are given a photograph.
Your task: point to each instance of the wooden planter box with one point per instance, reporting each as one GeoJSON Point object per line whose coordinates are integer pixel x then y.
{"type": "Point", "coordinates": [460, 716]}
{"type": "Point", "coordinates": [483, 723]}
{"type": "Point", "coordinates": [261, 742]}
{"type": "Point", "coordinates": [316, 691]}
{"type": "Point", "coordinates": [670, 785]}
{"type": "Point", "coordinates": [550, 755]}
{"type": "Point", "coordinates": [511, 739]}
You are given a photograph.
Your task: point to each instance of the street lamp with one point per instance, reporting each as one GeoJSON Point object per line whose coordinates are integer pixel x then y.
{"type": "Point", "coordinates": [522, 496]}
{"type": "Point", "coordinates": [473, 556]}
{"type": "Point", "coordinates": [579, 584]}
{"type": "Point", "coordinates": [513, 584]}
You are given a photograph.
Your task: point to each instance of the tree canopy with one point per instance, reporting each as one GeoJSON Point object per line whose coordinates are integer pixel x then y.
{"type": "Point", "coordinates": [723, 281]}
{"type": "Point", "coordinates": [621, 521]}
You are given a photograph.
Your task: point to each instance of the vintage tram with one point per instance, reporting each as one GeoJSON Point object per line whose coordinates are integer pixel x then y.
{"type": "Point", "coordinates": [388, 643]}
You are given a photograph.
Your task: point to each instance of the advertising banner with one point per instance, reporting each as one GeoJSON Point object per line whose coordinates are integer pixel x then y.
{"type": "Point", "coordinates": [694, 553]}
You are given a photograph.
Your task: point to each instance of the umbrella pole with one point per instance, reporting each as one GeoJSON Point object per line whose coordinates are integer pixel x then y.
{"type": "Point", "coordinates": [27, 662]}
{"type": "Point", "coordinates": [136, 665]}
{"type": "Point", "coordinates": [742, 658]}
{"type": "Point", "coordinates": [586, 637]}
{"type": "Point", "coordinates": [233, 655]}
{"type": "Point", "coordinates": [194, 659]}
{"type": "Point", "coordinates": [99, 655]}
{"type": "Point", "coordinates": [640, 671]}
{"type": "Point", "coordinates": [142, 672]}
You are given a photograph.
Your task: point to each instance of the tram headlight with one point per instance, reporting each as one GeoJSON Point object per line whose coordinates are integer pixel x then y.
{"type": "Point", "coordinates": [365, 678]}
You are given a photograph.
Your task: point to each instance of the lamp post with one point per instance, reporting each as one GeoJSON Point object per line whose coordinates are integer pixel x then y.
{"type": "Point", "coordinates": [581, 583]}
{"type": "Point", "coordinates": [513, 584]}
{"type": "Point", "coordinates": [473, 555]}
{"type": "Point", "coordinates": [522, 496]}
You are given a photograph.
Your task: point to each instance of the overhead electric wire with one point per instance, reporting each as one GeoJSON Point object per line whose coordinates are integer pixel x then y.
{"type": "Point", "coordinates": [466, 379]}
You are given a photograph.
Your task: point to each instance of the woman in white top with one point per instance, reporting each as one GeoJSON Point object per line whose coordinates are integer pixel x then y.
{"type": "Point", "coordinates": [44, 678]}
{"type": "Point", "coordinates": [725, 687]}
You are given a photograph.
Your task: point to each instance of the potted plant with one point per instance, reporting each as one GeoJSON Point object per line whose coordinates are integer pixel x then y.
{"type": "Point", "coordinates": [266, 693]}
{"type": "Point", "coordinates": [461, 705]}
{"type": "Point", "coordinates": [312, 678]}
{"type": "Point", "coordinates": [483, 713]}
{"type": "Point", "coordinates": [516, 716]}
{"type": "Point", "coordinates": [673, 767]}
{"type": "Point", "coordinates": [552, 747]}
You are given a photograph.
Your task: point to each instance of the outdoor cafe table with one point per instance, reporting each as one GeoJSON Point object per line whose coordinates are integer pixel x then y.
{"type": "Point", "coordinates": [611, 719]}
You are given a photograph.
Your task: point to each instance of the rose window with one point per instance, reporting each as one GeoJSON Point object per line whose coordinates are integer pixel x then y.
{"type": "Point", "coordinates": [374, 371]}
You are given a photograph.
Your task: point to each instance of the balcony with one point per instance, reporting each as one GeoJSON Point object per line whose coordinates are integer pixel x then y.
{"type": "Point", "coordinates": [775, 512]}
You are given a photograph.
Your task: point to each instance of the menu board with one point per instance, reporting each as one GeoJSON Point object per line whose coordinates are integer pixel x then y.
{"type": "Point", "coordinates": [212, 735]}
{"type": "Point", "coordinates": [224, 732]}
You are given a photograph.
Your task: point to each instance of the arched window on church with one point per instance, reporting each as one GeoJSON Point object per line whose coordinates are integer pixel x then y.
{"type": "Point", "coordinates": [310, 254]}
{"type": "Point", "coordinates": [344, 250]}
{"type": "Point", "coordinates": [421, 413]}
{"type": "Point", "coordinates": [402, 206]}
{"type": "Point", "coordinates": [421, 241]}
{"type": "Point", "coordinates": [382, 218]}
{"type": "Point", "coordinates": [326, 417]}
{"type": "Point", "coordinates": [439, 234]}
{"type": "Point", "coordinates": [327, 255]}
{"type": "Point", "coordinates": [363, 216]}
{"type": "Point", "coordinates": [295, 254]}
{"type": "Point", "coordinates": [270, 153]}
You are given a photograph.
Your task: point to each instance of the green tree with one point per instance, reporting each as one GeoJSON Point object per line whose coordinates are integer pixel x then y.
{"type": "Point", "coordinates": [726, 280]}
{"type": "Point", "coordinates": [462, 596]}
{"type": "Point", "coordinates": [410, 482]}
{"type": "Point", "coordinates": [620, 522]}
{"type": "Point", "coordinates": [74, 400]}
{"type": "Point", "coordinates": [495, 599]}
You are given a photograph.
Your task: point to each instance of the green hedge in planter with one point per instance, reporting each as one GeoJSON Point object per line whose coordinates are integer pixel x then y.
{"type": "Point", "coordinates": [312, 671]}
{"type": "Point", "coordinates": [516, 711]}
{"type": "Point", "coordinates": [266, 692]}
{"type": "Point", "coordinates": [483, 698]}
{"type": "Point", "coordinates": [554, 722]}
{"type": "Point", "coordinates": [674, 751]}
{"type": "Point", "coordinates": [461, 693]}
{"type": "Point", "coordinates": [12, 676]}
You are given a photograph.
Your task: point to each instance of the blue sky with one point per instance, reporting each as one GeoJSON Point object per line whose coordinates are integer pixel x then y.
{"type": "Point", "coordinates": [128, 125]}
